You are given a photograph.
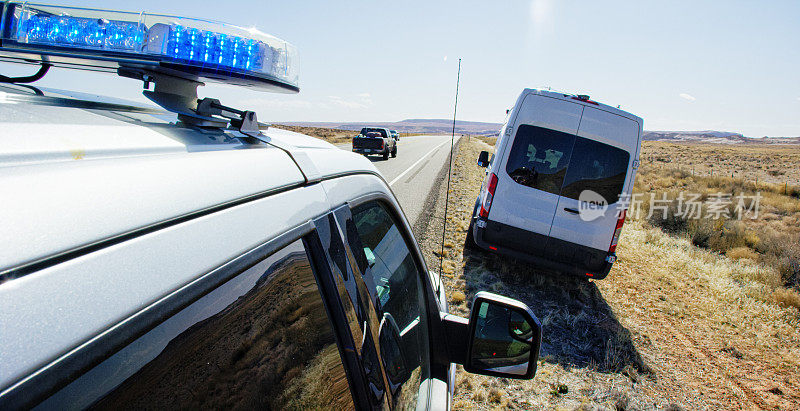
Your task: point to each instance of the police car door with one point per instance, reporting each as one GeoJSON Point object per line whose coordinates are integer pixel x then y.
{"type": "Point", "coordinates": [386, 266]}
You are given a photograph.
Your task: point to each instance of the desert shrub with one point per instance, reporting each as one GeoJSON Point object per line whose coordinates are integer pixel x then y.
{"type": "Point", "coordinates": [786, 297]}
{"type": "Point", "coordinates": [495, 396]}
{"type": "Point", "coordinates": [700, 232]}
{"type": "Point", "coordinates": [762, 275]}
{"type": "Point", "coordinates": [727, 235]}
{"type": "Point", "coordinates": [680, 174]}
{"type": "Point", "coordinates": [751, 239]}
{"type": "Point", "coordinates": [457, 297]}
{"type": "Point", "coordinates": [771, 242]}
{"type": "Point", "coordinates": [653, 236]}
{"type": "Point", "coordinates": [671, 221]}
{"type": "Point", "coordinates": [789, 268]}
{"type": "Point", "coordinates": [742, 253]}
{"type": "Point", "coordinates": [793, 192]}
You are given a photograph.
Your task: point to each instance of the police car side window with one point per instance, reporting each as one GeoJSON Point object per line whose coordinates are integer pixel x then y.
{"type": "Point", "coordinates": [262, 339]}
{"type": "Point", "coordinates": [397, 293]}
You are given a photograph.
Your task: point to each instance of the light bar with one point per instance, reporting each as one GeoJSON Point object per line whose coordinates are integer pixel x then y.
{"type": "Point", "coordinates": [207, 49]}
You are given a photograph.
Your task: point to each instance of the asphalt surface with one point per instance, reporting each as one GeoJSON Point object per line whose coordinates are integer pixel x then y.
{"type": "Point", "coordinates": [413, 173]}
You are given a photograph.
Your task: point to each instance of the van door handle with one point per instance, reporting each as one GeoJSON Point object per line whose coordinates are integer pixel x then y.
{"type": "Point", "coordinates": [571, 210]}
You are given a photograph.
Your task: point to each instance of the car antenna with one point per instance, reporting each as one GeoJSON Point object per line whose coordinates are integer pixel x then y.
{"type": "Point", "coordinates": [449, 172]}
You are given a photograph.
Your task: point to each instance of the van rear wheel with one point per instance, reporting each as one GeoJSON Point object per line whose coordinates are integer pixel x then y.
{"type": "Point", "coordinates": [469, 242]}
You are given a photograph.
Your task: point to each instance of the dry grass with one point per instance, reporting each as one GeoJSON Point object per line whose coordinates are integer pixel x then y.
{"type": "Point", "coordinates": [331, 135]}
{"type": "Point", "coordinates": [771, 238]}
{"type": "Point", "coordinates": [776, 164]}
{"type": "Point", "coordinates": [674, 325]}
{"type": "Point", "coordinates": [488, 140]}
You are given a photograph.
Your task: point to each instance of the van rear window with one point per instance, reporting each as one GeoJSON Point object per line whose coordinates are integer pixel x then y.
{"type": "Point", "coordinates": [539, 158]}
{"type": "Point", "coordinates": [597, 167]}
{"type": "Point", "coordinates": [565, 164]}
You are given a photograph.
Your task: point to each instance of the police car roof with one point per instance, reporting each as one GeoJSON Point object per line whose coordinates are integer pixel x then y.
{"type": "Point", "coordinates": [83, 170]}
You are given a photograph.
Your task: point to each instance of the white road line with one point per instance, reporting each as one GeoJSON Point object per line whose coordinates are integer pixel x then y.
{"type": "Point", "coordinates": [391, 183]}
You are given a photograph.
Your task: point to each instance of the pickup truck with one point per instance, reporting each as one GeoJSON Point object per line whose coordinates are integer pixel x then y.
{"type": "Point", "coordinates": [374, 140]}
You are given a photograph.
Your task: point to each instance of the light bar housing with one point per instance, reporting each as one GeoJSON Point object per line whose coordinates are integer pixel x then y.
{"type": "Point", "coordinates": [199, 50]}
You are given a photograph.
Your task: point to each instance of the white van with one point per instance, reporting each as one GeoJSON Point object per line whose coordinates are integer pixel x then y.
{"type": "Point", "coordinates": [557, 189]}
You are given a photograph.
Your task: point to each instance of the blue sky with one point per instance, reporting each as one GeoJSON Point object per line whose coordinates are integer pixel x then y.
{"type": "Point", "coordinates": [681, 65]}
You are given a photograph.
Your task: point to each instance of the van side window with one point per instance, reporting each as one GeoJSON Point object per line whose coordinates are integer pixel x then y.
{"type": "Point", "coordinates": [539, 158]}
{"type": "Point", "coordinates": [261, 340]}
{"type": "Point", "coordinates": [398, 296]}
{"type": "Point", "coordinates": [597, 167]}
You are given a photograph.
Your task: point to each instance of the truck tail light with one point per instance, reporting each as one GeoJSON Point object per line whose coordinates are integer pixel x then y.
{"type": "Point", "coordinates": [617, 231]}
{"type": "Point", "coordinates": [486, 204]}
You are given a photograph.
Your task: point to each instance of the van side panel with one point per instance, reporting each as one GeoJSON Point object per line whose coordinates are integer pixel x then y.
{"type": "Point", "coordinates": [523, 207]}
{"type": "Point", "coordinates": [587, 229]}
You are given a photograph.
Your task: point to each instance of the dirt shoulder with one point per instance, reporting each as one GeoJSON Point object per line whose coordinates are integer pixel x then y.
{"type": "Point", "coordinates": [670, 328]}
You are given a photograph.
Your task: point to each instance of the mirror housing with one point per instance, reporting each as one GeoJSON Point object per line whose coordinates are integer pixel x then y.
{"type": "Point", "coordinates": [483, 159]}
{"type": "Point", "coordinates": [501, 338]}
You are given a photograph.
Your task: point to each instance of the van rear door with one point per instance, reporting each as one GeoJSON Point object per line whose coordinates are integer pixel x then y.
{"type": "Point", "coordinates": [531, 171]}
{"type": "Point", "coordinates": [599, 172]}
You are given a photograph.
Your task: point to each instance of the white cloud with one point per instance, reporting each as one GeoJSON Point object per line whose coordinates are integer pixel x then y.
{"type": "Point", "coordinates": [687, 97]}
{"type": "Point", "coordinates": [336, 100]}
{"type": "Point", "coordinates": [364, 98]}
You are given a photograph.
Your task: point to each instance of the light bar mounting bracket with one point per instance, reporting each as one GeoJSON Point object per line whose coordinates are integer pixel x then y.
{"type": "Point", "coordinates": [179, 95]}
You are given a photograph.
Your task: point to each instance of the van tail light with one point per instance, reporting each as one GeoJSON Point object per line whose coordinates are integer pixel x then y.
{"type": "Point", "coordinates": [617, 231]}
{"type": "Point", "coordinates": [487, 198]}
{"type": "Point", "coordinates": [585, 99]}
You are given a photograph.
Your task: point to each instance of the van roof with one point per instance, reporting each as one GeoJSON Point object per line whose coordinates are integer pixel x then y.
{"type": "Point", "coordinates": [70, 164]}
{"type": "Point", "coordinates": [574, 98]}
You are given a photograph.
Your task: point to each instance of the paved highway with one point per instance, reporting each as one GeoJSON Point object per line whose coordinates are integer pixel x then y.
{"type": "Point", "coordinates": [412, 174]}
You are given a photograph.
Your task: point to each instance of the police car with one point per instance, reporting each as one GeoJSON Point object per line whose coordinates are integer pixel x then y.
{"type": "Point", "coordinates": [189, 256]}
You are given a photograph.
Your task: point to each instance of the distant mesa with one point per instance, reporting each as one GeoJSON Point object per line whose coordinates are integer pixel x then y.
{"type": "Point", "coordinates": [717, 137]}
{"type": "Point", "coordinates": [416, 125]}
{"type": "Point", "coordinates": [445, 126]}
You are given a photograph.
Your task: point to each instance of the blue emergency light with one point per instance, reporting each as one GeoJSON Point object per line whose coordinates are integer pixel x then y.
{"type": "Point", "coordinates": [197, 49]}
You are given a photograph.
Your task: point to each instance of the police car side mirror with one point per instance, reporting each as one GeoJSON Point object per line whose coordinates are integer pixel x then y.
{"type": "Point", "coordinates": [504, 337]}
{"type": "Point", "coordinates": [483, 159]}
{"type": "Point", "coordinates": [501, 338]}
